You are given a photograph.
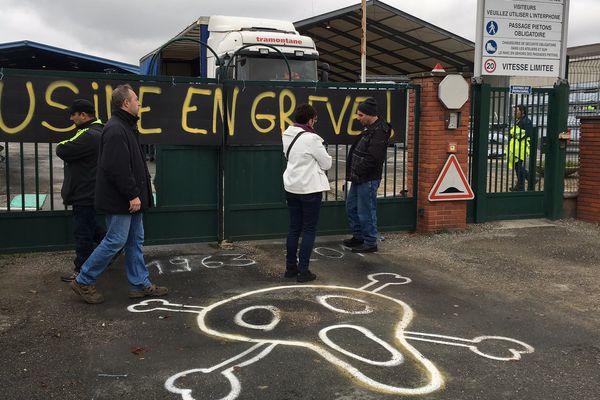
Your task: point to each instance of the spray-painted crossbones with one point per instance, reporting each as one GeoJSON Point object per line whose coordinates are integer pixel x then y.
{"type": "Point", "coordinates": [270, 317]}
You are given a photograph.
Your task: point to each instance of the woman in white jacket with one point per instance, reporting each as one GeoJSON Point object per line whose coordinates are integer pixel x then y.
{"type": "Point", "coordinates": [305, 181]}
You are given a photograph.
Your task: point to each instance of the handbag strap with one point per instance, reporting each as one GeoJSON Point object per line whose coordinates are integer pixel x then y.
{"type": "Point", "coordinates": [287, 153]}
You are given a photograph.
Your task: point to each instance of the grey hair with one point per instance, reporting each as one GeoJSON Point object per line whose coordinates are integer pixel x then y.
{"type": "Point", "coordinates": [119, 95]}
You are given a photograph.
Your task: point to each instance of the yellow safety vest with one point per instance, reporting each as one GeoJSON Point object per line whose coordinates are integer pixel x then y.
{"type": "Point", "coordinates": [518, 146]}
{"type": "Point", "coordinates": [80, 132]}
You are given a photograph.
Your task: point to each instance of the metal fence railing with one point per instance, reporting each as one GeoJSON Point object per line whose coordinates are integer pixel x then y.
{"type": "Point", "coordinates": [28, 175]}
{"type": "Point", "coordinates": [584, 99]}
{"type": "Point", "coordinates": [500, 175]}
{"type": "Point", "coordinates": [31, 176]}
{"type": "Point", "coordinates": [224, 185]}
{"type": "Point", "coordinates": [394, 181]}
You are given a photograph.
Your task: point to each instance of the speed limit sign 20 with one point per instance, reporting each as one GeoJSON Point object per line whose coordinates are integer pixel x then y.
{"type": "Point", "coordinates": [490, 66]}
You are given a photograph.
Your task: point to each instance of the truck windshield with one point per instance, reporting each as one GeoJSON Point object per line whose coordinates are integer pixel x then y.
{"type": "Point", "coordinates": [275, 69]}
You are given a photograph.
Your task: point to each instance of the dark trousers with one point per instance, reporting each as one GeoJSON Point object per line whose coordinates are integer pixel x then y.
{"type": "Point", "coordinates": [522, 175]}
{"type": "Point", "coordinates": [304, 216]}
{"type": "Point", "coordinates": [87, 233]}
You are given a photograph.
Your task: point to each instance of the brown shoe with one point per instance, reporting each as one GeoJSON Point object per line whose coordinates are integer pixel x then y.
{"type": "Point", "coordinates": [87, 292]}
{"type": "Point", "coordinates": [70, 277]}
{"type": "Point", "coordinates": [150, 291]}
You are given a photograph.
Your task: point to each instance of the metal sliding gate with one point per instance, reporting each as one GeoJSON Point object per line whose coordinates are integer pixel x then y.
{"type": "Point", "coordinates": [254, 205]}
{"type": "Point", "coordinates": [492, 177]}
{"type": "Point", "coordinates": [209, 192]}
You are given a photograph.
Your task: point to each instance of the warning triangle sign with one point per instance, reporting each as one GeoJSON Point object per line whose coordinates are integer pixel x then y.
{"type": "Point", "coordinates": [451, 184]}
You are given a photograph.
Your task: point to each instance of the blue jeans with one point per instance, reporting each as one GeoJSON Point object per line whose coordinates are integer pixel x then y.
{"type": "Point", "coordinates": [87, 233]}
{"type": "Point", "coordinates": [304, 216]}
{"type": "Point", "coordinates": [361, 209]}
{"type": "Point", "coordinates": [124, 231]}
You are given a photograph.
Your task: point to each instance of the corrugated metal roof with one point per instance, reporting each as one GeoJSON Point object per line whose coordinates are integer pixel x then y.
{"type": "Point", "coordinates": [181, 49]}
{"type": "Point", "coordinates": [31, 55]}
{"type": "Point", "coordinates": [397, 43]}
{"type": "Point", "coordinates": [588, 50]}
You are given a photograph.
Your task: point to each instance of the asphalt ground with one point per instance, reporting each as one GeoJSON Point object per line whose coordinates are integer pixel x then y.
{"type": "Point", "coordinates": [499, 311]}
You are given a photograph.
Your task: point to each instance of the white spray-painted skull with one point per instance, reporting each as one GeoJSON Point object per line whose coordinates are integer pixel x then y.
{"type": "Point", "coordinates": [359, 331]}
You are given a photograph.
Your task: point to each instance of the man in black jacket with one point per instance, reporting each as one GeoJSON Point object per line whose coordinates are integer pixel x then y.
{"type": "Point", "coordinates": [80, 154]}
{"type": "Point", "coordinates": [123, 192]}
{"type": "Point", "coordinates": [363, 169]}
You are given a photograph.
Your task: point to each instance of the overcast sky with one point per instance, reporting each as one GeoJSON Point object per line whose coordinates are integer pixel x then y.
{"type": "Point", "coordinates": [126, 30]}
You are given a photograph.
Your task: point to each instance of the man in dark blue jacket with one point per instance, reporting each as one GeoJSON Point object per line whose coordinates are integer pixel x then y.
{"type": "Point", "coordinates": [80, 154]}
{"type": "Point", "coordinates": [363, 169]}
{"type": "Point", "coordinates": [123, 192]}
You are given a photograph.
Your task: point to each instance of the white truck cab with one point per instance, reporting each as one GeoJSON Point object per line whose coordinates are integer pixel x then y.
{"type": "Point", "coordinates": [230, 35]}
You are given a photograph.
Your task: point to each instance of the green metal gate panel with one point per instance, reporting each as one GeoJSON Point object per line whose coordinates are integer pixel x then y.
{"type": "Point", "coordinates": [254, 196]}
{"type": "Point", "coordinates": [187, 192]}
{"type": "Point", "coordinates": [204, 192]}
{"type": "Point", "coordinates": [503, 206]}
{"type": "Point", "coordinates": [255, 206]}
{"type": "Point", "coordinates": [491, 179]}
{"type": "Point", "coordinates": [397, 214]}
{"type": "Point", "coordinates": [35, 231]}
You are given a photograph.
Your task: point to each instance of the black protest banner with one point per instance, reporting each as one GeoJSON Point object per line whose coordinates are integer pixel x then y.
{"type": "Point", "coordinates": [35, 108]}
{"type": "Point", "coordinates": [261, 114]}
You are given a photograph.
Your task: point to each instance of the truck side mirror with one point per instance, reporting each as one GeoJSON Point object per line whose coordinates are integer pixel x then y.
{"type": "Point", "coordinates": [323, 71]}
{"type": "Point", "coordinates": [220, 71]}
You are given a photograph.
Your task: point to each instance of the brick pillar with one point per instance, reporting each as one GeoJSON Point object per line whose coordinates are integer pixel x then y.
{"type": "Point", "coordinates": [588, 200]}
{"type": "Point", "coordinates": [434, 138]}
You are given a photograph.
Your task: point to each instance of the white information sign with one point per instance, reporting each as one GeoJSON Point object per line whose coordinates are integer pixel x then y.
{"type": "Point", "coordinates": [521, 37]}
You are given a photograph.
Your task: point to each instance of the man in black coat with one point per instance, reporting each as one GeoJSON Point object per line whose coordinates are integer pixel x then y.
{"type": "Point", "coordinates": [363, 169]}
{"type": "Point", "coordinates": [80, 154]}
{"type": "Point", "coordinates": [123, 192]}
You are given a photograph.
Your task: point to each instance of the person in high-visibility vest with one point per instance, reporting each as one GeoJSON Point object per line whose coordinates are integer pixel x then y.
{"type": "Point", "coordinates": [518, 148]}
{"type": "Point", "coordinates": [80, 154]}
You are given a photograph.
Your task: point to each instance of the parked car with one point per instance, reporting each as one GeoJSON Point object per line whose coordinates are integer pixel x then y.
{"type": "Point", "coordinates": [497, 141]}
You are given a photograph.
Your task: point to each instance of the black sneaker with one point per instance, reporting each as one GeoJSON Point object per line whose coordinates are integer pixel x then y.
{"type": "Point", "coordinates": [291, 272]}
{"type": "Point", "coordinates": [365, 248]}
{"type": "Point", "coordinates": [306, 276]}
{"type": "Point", "coordinates": [352, 242]}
